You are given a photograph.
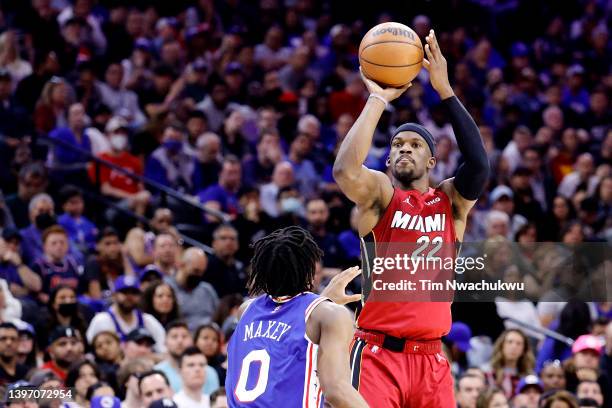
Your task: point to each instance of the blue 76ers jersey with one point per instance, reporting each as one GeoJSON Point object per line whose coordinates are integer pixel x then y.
{"type": "Point", "coordinates": [270, 359]}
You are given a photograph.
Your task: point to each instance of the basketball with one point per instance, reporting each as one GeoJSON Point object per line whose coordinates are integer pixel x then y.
{"type": "Point", "coordinates": [391, 54]}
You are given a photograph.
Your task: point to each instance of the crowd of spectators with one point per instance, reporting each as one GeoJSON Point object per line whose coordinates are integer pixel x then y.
{"type": "Point", "coordinates": [240, 106]}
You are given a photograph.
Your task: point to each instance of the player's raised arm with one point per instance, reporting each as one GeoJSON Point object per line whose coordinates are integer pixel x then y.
{"type": "Point", "coordinates": [471, 177]}
{"type": "Point", "coordinates": [360, 184]}
{"type": "Point", "coordinates": [335, 331]}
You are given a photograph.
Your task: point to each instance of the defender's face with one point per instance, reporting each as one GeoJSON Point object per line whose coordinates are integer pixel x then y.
{"type": "Point", "coordinates": [410, 157]}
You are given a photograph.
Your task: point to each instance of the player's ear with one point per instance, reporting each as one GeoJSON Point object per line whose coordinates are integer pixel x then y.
{"type": "Point", "coordinates": [388, 162]}
{"type": "Point", "coordinates": [431, 163]}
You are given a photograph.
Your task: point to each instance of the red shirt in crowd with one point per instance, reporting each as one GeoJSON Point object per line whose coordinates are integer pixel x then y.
{"type": "Point", "coordinates": [116, 179]}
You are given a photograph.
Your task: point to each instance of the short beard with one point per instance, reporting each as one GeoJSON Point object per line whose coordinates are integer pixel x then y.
{"type": "Point", "coordinates": [125, 309]}
{"type": "Point", "coordinates": [6, 359]}
{"type": "Point", "coordinates": [405, 178]}
{"type": "Point", "coordinates": [62, 363]}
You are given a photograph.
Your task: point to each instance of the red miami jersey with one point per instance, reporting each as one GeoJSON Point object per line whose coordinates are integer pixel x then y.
{"type": "Point", "coordinates": [410, 217]}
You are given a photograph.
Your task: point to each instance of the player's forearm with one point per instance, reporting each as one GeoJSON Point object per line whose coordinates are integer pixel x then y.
{"type": "Point", "coordinates": [356, 145]}
{"type": "Point", "coordinates": [472, 176]}
{"type": "Point", "coordinates": [344, 396]}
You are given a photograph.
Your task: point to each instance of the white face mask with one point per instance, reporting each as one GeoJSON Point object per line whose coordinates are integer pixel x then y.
{"type": "Point", "coordinates": [118, 141]}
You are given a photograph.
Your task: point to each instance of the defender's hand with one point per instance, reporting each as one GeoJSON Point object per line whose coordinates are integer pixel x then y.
{"type": "Point", "coordinates": [436, 65]}
{"type": "Point", "coordinates": [387, 94]}
{"type": "Point", "coordinates": [336, 290]}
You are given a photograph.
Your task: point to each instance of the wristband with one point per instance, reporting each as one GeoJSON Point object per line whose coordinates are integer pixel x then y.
{"type": "Point", "coordinates": [380, 98]}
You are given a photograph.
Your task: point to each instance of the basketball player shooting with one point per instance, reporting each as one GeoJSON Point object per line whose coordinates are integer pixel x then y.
{"type": "Point", "coordinates": [290, 348]}
{"type": "Point", "coordinates": [396, 352]}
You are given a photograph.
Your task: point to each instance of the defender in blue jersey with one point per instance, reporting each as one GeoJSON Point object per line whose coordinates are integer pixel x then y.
{"type": "Point", "coordinates": [291, 346]}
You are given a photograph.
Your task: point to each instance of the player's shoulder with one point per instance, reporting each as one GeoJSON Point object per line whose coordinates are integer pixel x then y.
{"type": "Point", "coordinates": [327, 310]}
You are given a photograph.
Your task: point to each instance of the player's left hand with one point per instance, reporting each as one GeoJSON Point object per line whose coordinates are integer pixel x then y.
{"type": "Point", "coordinates": [435, 64]}
{"type": "Point", "coordinates": [336, 290]}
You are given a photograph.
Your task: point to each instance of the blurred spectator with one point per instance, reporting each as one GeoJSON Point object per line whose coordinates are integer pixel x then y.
{"type": "Point", "coordinates": [349, 241]}
{"type": "Point", "coordinates": [502, 199]}
{"type": "Point", "coordinates": [258, 169]}
{"type": "Point", "coordinates": [317, 215]}
{"type": "Point", "coordinates": [209, 340]}
{"type": "Point", "coordinates": [303, 168]}
{"type": "Point", "coordinates": [552, 376]}
{"type": "Point", "coordinates": [138, 344]}
{"type": "Point", "coordinates": [458, 342]}
{"type": "Point", "coordinates": [153, 385]}
{"type": "Point", "coordinates": [197, 299]}
{"type": "Point", "coordinates": [590, 389]}
{"type": "Point", "coordinates": [10, 370]}
{"type": "Point", "coordinates": [282, 177]}
{"type": "Point", "coordinates": [177, 341]}
{"type": "Point", "coordinates": [120, 100]}
{"type": "Point", "coordinates": [128, 378]}
{"type": "Point", "coordinates": [79, 228]}
{"type": "Point", "coordinates": [530, 389]}
{"type": "Point", "coordinates": [32, 181]}
{"type": "Point", "coordinates": [225, 192]}
{"type": "Point", "coordinates": [512, 359]}
{"type": "Point", "coordinates": [218, 399]}
{"type": "Point", "coordinates": [73, 133]}
{"type": "Point", "coordinates": [192, 366]}
{"type": "Point", "coordinates": [56, 266]}
{"type": "Point", "coordinates": [63, 349]}
{"type": "Point", "coordinates": [81, 375]}
{"type": "Point", "coordinates": [171, 164]}
{"type": "Point", "coordinates": [575, 320]}
{"type": "Point", "coordinates": [160, 301]}
{"type": "Point", "coordinates": [582, 177]}
{"type": "Point", "coordinates": [19, 277]}
{"type": "Point", "coordinates": [225, 273]}
{"type": "Point", "coordinates": [51, 110]}
{"type": "Point", "coordinates": [468, 388]}
{"type": "Point", "coordinates": [207, 165]}
{"type": "Point", "coordinates": [108, 355]}
{"type": "Point", "coordinates": [216, 105]}
{"type": "Point", "coordinates": [492, 398]}
{"type": "Point", "coordinates": [63, 310]}
{"type": "Point", "coordinates": [165, 254]}
{"type": "Point", "coordinates": [129, 191]}
{"type": "Point", "coordinates": [106, 265]}
{"type": "Point", "coordinates": [124, 315]}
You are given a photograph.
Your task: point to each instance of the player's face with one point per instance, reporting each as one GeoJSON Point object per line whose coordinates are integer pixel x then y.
{"type": "Point", "coordinates": [410, 158]}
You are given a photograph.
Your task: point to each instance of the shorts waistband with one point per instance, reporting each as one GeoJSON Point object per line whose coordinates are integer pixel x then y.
{"type": "Point", "coordinates": [398, 344]}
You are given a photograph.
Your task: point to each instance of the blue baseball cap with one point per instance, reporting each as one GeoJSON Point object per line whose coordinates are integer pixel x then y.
{"type": "Point", "coordinates": [127, 282]}
{"type": "Point", "coordinates": [460, 334]}
{"type": "Point", "coordinates": [105, 402]}
{"type": "Point", "coordinates": [531, 380]}
{"type": "Point", "coordinates": [519, 49]}
{"type": "Point", "coordinates": [150, 270]}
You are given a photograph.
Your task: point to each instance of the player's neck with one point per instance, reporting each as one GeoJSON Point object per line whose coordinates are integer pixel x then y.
{"type": "Point", "coordinates": [421, 185]}
{"type": "Point", "coordinates": [194, 393]}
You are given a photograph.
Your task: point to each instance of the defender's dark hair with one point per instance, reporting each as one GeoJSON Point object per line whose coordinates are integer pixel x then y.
{"type": "Point", "coordinates": [284, 262]}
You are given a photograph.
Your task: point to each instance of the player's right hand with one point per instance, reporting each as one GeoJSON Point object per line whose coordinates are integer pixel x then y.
{"type": "Point", "coordinates": [388, 94]}
{"type": "Point", "coordinates": [336, 289]}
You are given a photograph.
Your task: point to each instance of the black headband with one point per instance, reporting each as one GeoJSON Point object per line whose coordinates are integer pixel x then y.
{"type": "Point", "coordinates": [424, 133]}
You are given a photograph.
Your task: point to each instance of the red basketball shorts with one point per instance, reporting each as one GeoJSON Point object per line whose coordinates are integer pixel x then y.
{"type": "Point", "coordinates": [389, 379]}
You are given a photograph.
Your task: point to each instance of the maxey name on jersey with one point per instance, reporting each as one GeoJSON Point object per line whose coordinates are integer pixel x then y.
{"type": "Point", "coordinates": [270, 329]}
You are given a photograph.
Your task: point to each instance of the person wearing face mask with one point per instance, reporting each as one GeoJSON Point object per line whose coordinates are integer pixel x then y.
{"type": "Point", "coordinates": [197, 299]}
{"type": "Point", "coordinates": [62, 310]}
{"type": "Point", "coordinates": [290, 208]}
{"type": "Point", "coordinates": [118, 186]}
{"type": "Point", "coordinates": [171, 164]}
{"type": "Point", "coordinates": [42, 216]}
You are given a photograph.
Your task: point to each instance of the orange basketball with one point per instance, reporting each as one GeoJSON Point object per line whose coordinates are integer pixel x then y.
{"type": "Point", "coordinates": [391, 54]}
